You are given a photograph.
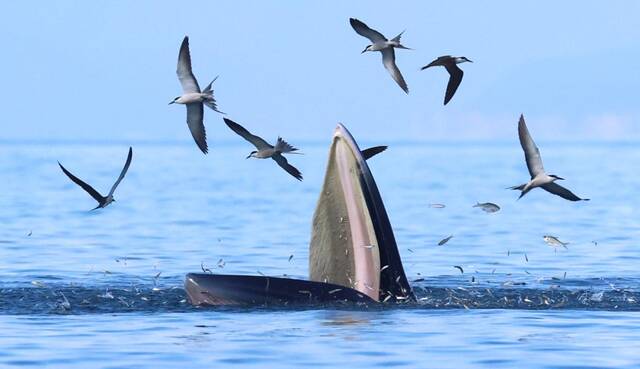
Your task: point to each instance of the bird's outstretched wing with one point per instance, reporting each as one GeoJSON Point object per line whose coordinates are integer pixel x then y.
{"type": "Point", "coordinates": [364, 31]}
{"type": "Point", "coordinates": [99, 198]}
{"type": "Point", "coordinates": [122, 173]}
{"type": "Point", "coordinates": [368, 153]}
{"type": "Point", "coordinates": [195, 121]}
{"type": "Point", "coordinates": [558, 190]}
{"type": "Point", "coordinates": [531, 152]}
{"type": "Point", "coordinates": [185, 75]}
{"type": "Point", "coordinates": [389, 61]}
{"type": "Point", "coordinates": [439, 61]}
{"type": "Point", "coordinates": [455, 77]}
{"type": "Point", "coordinates": [258, 142]}
{"type": "Point", "coordinates": [282, 162]}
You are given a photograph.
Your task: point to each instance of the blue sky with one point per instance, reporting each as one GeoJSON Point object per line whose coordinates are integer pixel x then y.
{"type": "Point", "coordinates": [76, 70]}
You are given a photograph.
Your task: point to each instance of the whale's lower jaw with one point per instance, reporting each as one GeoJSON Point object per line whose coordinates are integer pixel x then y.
{"type": "Point", "coordinates": [216, 289]}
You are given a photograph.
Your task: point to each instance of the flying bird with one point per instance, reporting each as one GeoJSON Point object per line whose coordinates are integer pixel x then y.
{"type": "Point", "coordinates": [538, 176]}
{"type": "Point", "coordinates": [103, 201]}
{"type": "Point", "coordinates": [380, 43]}
{"type": "Point", "coordinates": [193, 98]}
{"type": "Point", "coordinates": [265, 150]}
{"type": "Point", "coordinates": [455, 74]}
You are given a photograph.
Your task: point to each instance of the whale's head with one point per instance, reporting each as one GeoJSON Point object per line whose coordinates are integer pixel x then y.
{"type": "Point", "coordinates": [352, 243]}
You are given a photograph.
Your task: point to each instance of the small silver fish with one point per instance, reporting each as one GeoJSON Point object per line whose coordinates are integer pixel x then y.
{"type": "Point", "coordinates": [459, 268]}
{"type": "Point", "coordinates": [487, 207]}
{"type": "Point", "coordinates": [437, 206]}
{"type": "Point", "coordinates": [444, 240]}
{"type": "Point", "coordinates": [155, 279]}
{"type": "Point", "coordinates": [106, 295]}
{"type": "Point", "coordinates": [554, 241]}
{"type": "Point", "coordinates": [64, 304]}
{"type": "Point", "coordinates": [290, 257]}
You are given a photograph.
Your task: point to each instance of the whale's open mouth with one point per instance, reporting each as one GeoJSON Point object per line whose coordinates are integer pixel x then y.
{"type": "Point", "coordinates": [353, 254]}
{"type": "Point", "coordinates": [352, 243]}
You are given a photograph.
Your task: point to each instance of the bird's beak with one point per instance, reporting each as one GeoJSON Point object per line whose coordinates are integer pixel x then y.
{"type": "Point", "coordinates": [172, 102]}
{"type": "Point", "coordinates": [560, 178]}
{"type": "Point", "coordinates": [365, 49]}
{"type": "Point", "coordinates": [248, 156]}
{"type": "Point", "coordinates": [470, 61]}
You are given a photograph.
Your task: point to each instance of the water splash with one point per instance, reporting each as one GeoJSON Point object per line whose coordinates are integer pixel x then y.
{"type": "Point", "coordinates": [136, 296]}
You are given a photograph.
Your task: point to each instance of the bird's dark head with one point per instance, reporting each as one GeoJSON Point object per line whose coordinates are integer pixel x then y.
{"type": "Point", "coordinates": [368, 48]}
{"type": "Point", "coordinates": [252, 153]}
{"type": "Point", "coordinates": [174, 100]}
{"type": "Point", "coordinates": [555, 177]}
{"type": "Point", "coordinates": [463, 59]}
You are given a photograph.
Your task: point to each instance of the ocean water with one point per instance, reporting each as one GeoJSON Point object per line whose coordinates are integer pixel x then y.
{"type": "Point", "coordinates": [519, 303]}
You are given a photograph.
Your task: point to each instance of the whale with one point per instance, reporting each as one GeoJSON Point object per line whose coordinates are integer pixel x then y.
{"type": "Point", "coordinates": [353, 255]}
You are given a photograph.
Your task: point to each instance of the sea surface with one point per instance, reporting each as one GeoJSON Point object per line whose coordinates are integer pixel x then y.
{"type": "Point", "coordinates": [103, 289]}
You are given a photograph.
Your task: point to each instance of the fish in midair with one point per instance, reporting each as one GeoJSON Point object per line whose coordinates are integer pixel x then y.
{"type": "Point", "coordinates": [444, 240]}
{"type": "Point", "coordinates": [487, 207]}
{"type": "Point", "coordinates": [193, 98]}
{"type": "Point", "coordinates": [554, 241]}
{"type": "Point", "coordinates": [380, 43]}
{"type": "Point", "coordinates": [450, 63]}
{"type": "Point", "coordinates": [103, 201]}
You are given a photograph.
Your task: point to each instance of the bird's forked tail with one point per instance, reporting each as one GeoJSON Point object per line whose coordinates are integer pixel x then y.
{"type": "Point", "coordinates": [283, 147]}
{"type": "Point", "coordinates": [209, 100]}
{"type": "Point", "coordinates": [397, 41]}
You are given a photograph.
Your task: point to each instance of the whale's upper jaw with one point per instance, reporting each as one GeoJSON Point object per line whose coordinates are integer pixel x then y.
{"type": "Point", "coordinates": [352, 243]}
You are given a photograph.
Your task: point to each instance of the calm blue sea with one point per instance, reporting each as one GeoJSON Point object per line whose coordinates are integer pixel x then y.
{"type": "Point", "coordinates": [519, 303]}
